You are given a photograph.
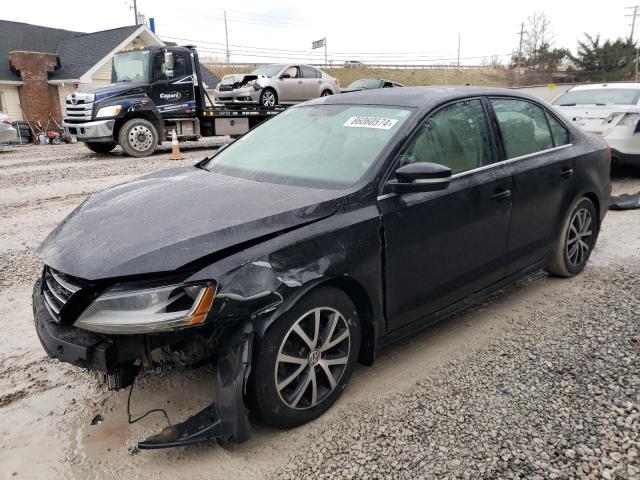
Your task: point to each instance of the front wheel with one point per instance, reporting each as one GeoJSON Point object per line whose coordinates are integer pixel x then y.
{"type": "Point", "coordinates": [326, 93]}
{"type": "Point", "coordinates": [268, 98]}
{"type": "Point", "coordinates": [305, 360]}
{"type": "Point", "coordinates": [138, 137]}
{"type": "Point", "coordinates": [577, 239]}
{"type": "Point", "coordinates": [100, 147]}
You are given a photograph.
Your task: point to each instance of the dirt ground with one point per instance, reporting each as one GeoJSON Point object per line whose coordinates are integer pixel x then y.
{"type": "Point", "coordinates": [46, 408]}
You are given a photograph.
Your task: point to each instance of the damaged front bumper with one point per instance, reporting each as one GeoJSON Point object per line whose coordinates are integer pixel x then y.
{"type": "Point", "coordinates": [244, 95]}
{"type": "Point", "coordinates": [118, 357]}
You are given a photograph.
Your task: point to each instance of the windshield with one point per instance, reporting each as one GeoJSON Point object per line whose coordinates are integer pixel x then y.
{"type": "Point", "coordinates": [268, 70]}
{"type": "Point", "coordinates": [130, 67]}
{"type": "Point", "coordinates": [324, 146]}
{"type": "Point", "coordinates": [602, 96]}
{"type": "Point", "coordinates": [365, 83]}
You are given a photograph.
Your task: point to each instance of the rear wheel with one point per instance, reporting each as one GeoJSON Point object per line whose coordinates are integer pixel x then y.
{"type": "Point", "coordinates": [101, 147]}
{"type": "Point", "coordinates": [138, 137]}
{"type": "Point", "coordinates": [326, 93]}
{"type": "Point", "coordinates": [268, 98]}
{"type": "Point", "coordinates": [577, 239]}
{"type": "Point", "coordinates": [305, 360]}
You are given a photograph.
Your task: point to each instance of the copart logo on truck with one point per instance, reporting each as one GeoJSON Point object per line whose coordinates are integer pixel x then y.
{"type": "Point", "coordinates": [170, 96]}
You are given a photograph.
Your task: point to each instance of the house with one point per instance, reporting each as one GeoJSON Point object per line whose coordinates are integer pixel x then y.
{"type": "Point", "coordinates": [39, 66]}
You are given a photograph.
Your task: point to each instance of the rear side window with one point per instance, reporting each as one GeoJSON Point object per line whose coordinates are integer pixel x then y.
{"type": "Point", "coordinates": [309, 72]}
{"type": "Point", "coordinates": [523, 126]}
{"type": "Point", "coordinates": [559, 132]}
{"type": "Point", "coordinates": [456, 136]}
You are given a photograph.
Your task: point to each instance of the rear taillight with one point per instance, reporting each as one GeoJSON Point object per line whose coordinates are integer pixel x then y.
{"type": "Point", "coordinates": [337, 82]}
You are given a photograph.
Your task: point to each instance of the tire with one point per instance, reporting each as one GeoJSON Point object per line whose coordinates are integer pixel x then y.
{"type": "Point", "coordinates": [577, 239]}
{"type": "Point", "coordinates": [268, 98]}
{"type": "Point", "coordinates": [138, 137]}
{"type": "Point", "coordinates": [292, 404]}
{"type": "Point", "coordinates": [100, 147]}
{"type": "Point", "coordinates": [326, 93]}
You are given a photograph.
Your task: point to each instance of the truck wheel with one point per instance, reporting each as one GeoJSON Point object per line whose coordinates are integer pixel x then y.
{"type": "Point", "coordinates": [304, 361]}
{"type": "Point", "coordinates": [577, 239]}
{"type": "Point", "coordinates": [138, 137]}
{"type": "Point", "coordinates": [268, 98]}
{"type": "Point", "coordinates": [100, 147]}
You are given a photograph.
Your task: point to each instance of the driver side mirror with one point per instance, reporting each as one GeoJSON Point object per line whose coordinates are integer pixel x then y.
{"type": "Point", "coordinates": [285, 75]}
{"type": "Point", "coordinates": [168, 63]}
{"type": "Point", "coordinates": [421, 177]}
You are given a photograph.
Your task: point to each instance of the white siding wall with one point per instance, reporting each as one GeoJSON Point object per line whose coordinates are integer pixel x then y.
{"type": "Point", "coordinates": [10, 101]}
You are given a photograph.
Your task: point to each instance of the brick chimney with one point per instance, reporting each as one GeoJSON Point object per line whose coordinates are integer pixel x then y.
{"type": "Point", "coordinates": [37, 97]}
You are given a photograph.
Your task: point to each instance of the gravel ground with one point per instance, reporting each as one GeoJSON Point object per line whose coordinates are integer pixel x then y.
{"type": "Point", "coordinates": [540, 381]}
{"type": "Point", "coordinates": [556, 395]}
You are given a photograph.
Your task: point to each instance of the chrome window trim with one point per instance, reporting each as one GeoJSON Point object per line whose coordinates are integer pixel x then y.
{"type": "Point", "coordinates": [511, 160]}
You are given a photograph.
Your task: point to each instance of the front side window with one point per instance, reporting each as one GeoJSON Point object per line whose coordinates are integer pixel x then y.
{"type": "Point", "coordinates": [457, 136]}
{"type": "Point", "coordinates": [292, 72]}
{"type": "Point", "coordinates": [523, 126]}
{"type": "Point", "coordinates": [130, 67]}
{"type": "Point", "coordinates": [325, 146]}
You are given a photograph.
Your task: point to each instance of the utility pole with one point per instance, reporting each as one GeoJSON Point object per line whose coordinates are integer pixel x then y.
{"type": "Point", "coordinates": [458, 49]}
{"type": "Point", "coordinates": [519, 55]}
{"type": "Point", "coordinates": [634, 16]}
{"type": "Point", "coordinates": [135, 11]}
{"type": "Point", "coordinates": [226, 35]}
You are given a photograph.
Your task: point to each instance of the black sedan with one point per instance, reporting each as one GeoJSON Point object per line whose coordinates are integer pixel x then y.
{"type": "Point", "coordinates": [335, 227]}
{"type": "Point", "coordinates": [370, 84]}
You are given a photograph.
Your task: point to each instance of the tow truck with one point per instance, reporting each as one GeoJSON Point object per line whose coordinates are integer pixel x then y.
{"type": "Point", "coordinates": [154, 91]}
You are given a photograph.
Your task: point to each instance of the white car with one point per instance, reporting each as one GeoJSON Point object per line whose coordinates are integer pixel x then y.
{"type": "Point", "coordinates": [7, 132]}
{"type": "Point", "coordinates": [610, 110]}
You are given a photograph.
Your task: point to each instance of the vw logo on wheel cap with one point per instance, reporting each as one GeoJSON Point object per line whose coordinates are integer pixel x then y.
{"type": "Point", "coordinates": [314, 357]}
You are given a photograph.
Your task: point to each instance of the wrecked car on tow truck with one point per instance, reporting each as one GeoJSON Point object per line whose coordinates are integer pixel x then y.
{"type": "Point", "coordinates": [340, 225]}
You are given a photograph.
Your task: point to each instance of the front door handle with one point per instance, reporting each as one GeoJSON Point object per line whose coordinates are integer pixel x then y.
{"type": "Point", "coordinates": [566, 172]}
{"type": "Point", "coordinates": [501, 195]}
{"type": "Point", "coordinates": [300, 82]}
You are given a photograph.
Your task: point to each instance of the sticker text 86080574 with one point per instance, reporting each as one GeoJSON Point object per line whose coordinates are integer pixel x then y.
{"type": "Point", "coordinates": [371, 122]}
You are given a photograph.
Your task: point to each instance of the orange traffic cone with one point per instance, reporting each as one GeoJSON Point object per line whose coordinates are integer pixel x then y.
{"type": "Point", "coordinates": [175, 150]}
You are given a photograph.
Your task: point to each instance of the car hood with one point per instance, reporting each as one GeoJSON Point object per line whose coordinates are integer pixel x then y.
{"type": "Point", "coordinates": [167, 220]}
{"type": "Point", "coordinates": [111, 90]}
{"type": "Point", "coordinates": [238, 80]}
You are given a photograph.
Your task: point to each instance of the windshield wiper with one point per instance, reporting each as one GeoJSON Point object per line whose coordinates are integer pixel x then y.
{"type": "Point", "coordinates": [567, 104]}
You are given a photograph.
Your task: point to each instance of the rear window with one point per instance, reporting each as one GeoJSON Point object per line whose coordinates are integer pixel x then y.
{"type": "Point", "coordinates": [599, 96]}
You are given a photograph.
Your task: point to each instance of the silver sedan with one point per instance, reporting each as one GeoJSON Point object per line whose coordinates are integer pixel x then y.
{"type": "Point", "coordinates": [272, 85]}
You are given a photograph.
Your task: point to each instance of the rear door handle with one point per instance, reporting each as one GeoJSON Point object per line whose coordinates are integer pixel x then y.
{"type": "Point", "coordinates": [501, 195]}
{"type": "Point", "coordinates": [300, 82]}
{"type": "Point", "coordinates": [566, 172]}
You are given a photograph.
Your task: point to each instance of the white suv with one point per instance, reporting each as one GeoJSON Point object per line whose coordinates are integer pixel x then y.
{"type": "Point", "coordinates": [611, 111]}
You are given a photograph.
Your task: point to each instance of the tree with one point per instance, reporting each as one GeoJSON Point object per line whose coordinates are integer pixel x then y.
{"type": "Point", "coordinates": [537, 46]}
{"type": "Point", "coordinates": [608, 60]}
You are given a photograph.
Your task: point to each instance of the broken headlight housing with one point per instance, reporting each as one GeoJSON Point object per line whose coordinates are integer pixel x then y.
{"type": "Point", "coordinates": [147, 310]}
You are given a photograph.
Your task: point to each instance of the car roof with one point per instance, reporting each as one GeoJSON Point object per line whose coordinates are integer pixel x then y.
{"type": "Point", "coordinates": [596, 86]}
{"type": "Point", "coordinates": [415, 97]}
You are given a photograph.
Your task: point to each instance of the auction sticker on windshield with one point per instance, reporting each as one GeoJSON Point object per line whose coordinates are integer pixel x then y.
{"type": "Point", "coordinates": [371, 122]}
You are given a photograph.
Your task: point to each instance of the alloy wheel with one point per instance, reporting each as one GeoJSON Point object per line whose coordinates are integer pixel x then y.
{"type": "Point", "coordinates": [268, 99]}
{"type": "Point", "coordinates": [579, 237]}
{"type": "Point", "coordinates": [140, 138]}
{"type": "Point", "coordinates": [312, 358]}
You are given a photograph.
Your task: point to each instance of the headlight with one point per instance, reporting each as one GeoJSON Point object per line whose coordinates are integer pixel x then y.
{"type": "Point", "coordinates": [147, 310]}
{"type": "Point", "coordinates": [111, 111]}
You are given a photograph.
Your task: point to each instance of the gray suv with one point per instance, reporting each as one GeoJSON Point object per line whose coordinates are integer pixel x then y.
{"type": "Point", "coordinates": [271, 85]}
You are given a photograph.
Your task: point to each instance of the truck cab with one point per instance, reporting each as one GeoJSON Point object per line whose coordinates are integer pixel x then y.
{"type": "Point", "coordinates": [153, 91]}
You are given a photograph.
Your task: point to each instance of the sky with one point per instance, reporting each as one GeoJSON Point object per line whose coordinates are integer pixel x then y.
{"type": "Point", "coordinates": [398, 31]}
